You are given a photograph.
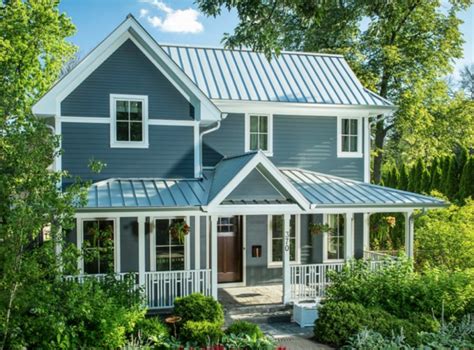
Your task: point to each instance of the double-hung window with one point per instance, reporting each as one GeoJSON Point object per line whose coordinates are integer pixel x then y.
{"type": "Point", "coordinates": [277, 239]}
{"type": "Point", "coordinates": [129, 121]}
{"type": "Point", "coordinates": [259, 133]}
{"type": "Point", "coordinates": [170, 252]}
{"type": "Point", "coordinates": [335, 237]}
{"type": "Point", "coordinates": [98, 246]}
{"type": "Point", "coordinates": [349, 137]}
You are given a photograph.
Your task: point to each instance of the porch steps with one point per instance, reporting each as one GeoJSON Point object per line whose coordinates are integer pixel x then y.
{"type": "Point", "coordinates": [267, 313]}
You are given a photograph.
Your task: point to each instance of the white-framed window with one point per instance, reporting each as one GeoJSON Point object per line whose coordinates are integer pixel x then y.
{"type": "Point", "coordinates": [170, 252]}
{"type": "Point", "coordinates": [259, 133]}
{"type": "Point", "coordinates": [99, 242]}
{"type": "Point", "coordinates": [129, 121]}
{"type": "Point", "coordinates": [334, 240]}
{"type": "Point", "coordinates": [349, 137]}
{"type": "Point", "coordinates": [276, 239]}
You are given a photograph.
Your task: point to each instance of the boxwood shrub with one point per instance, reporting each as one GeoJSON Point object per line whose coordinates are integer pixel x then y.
{"type": "Point", "coordinates": [197, 307]}
{"type": "Point", "coordinates": [152, 330]}
{"type": "Point", "coordinates": [201, 333]}
{"type": "Point", "coordinates": [245, 328]}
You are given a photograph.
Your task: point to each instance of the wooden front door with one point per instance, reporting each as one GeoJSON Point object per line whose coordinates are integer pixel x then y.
{"type": "Point", "coordinates": [229, 247]}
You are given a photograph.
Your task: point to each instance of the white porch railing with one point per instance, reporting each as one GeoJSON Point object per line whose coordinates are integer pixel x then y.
{"type": "Point", "coordinates": [162, 287]}
{"type": "Point", "coordinates": [378, 256]}
{"type": "Point", "coordinates": [309, 281]}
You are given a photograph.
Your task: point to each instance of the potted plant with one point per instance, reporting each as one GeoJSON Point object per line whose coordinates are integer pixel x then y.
{"type": "Point", "coordinates": [317, 229]}
{"type": "Point", "coordinates": [178, 230]}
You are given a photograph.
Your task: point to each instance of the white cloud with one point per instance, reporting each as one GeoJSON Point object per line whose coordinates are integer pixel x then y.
{"type": "Point", "coordinates": [174, 21]}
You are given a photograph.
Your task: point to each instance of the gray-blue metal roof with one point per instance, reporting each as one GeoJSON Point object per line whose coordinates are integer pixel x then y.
{"type": "Point", "coordinates": [330, 191]}
{"type": "Point", "coordinates": [290, 77]}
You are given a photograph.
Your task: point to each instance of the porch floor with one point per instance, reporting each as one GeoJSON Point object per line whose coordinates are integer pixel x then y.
{"type": "Point", "coordinates": [232, 297]}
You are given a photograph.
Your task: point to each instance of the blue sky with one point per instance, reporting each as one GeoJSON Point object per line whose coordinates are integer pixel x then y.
{"type": "Point", "coordinates": [178, 22]}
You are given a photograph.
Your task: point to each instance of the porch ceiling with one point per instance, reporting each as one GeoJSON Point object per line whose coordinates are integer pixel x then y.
{"type": "Point", "coordinates": [328, 191]}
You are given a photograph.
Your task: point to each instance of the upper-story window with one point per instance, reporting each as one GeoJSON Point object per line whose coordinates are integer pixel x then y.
{"type": "Point", "coordinates": [259, 133]}
{"type": "Point", "coordinates": [349, 137]}
{"type": "Point", "coordinates": [129, 121]}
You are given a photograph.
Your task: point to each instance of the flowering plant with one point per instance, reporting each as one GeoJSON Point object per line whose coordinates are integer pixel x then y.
{"type": "Point", "coordinates": [178, 230]}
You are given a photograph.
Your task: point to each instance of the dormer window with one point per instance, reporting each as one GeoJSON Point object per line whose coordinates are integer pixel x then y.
{"type": "Point", "coordinates": [349, 137]}
{"type": "Point", "coordinates": [259, 133]}
{"type": "Point", "coordinates": [129, 121]}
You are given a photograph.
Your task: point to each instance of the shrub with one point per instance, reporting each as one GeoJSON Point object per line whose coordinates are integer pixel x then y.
{"type": "Point", "coordinates": [197, 307]}
{"type": "Point", "coordinates": [245, 328]}
{"type": "Point", "coordinates": [338, 321]}
{"type": "Point", "coordinates": [152, 330]}
{"type": "Point", "coordinates": [201, 333]}
{"type": "Point", "coordinates": [368, 339]}
{"type": "Point", "coordinates": [233, 341]}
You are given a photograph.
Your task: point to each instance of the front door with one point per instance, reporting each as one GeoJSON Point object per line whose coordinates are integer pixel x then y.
{"type": "Point", "coordinates": [229, 247]}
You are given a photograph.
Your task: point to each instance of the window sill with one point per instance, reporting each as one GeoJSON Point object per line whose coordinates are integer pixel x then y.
{"type": "Point", "coordinates": [129, 145]}
{"type": "Point", "coordinates": [350, 155]}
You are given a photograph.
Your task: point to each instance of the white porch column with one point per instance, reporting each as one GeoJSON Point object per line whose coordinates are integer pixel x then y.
{"type": "Point", "coordinates": [366, 237]}
{"type": "Point", "coordinates": [214, 256]}
{"type": "Point", "coordinates": [409, 234]}
{"type": "Point", "coordinates": [349, 236]}
{"type": "Point", "coordinates": [286, 259]}
{"type": "Point", "coordinates": [141, 250]}
{"type": "Point", "coordinates": [197, 242]}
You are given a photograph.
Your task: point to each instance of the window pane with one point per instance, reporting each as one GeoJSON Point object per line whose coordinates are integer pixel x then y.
{"type": "Point", "coordinates": [277, 226]}
{"type": "Point", "coordinates": [162, 259]}
{"type": "Point", "coordinates": [253, 123]}
{"type": "Point", "coordinates": [263, 142]}
{"type": "Point", "coordinates": [345, 126]}
{"type": "Point", "coordinates": [136, 131]}
{"type": "Point", "coordinates": [135, 110]}
{"type": "Point", "coordinates": [277, 247]}
{"type": "Point", "coordinates": [292, 249]}
{"type": "Point", "coordinates": [345, 143]}
{"type": "Point", "coordinates": [341, 248]}
{"type": "Point", "coordinates": [177, 258]}
{"type": "Point", "coordinates": [174, 240]}
{"type": "Point", "coordinates": [263, 124]}
{"type": "Point", "coordinates": [292, 226]}
{"type": "Point", "coordinates": [91, 264]}
{"type": "Point", "coordinates": [341, 219]}
{"type": "Point", "coordinates": [122, 110]}
{"type": "Point", "coordinates": [162, 232]}
{"type": "Point", "coordinates": [91, 231]}
{"type": "Point", "coordinates": [353, 146]}
{"type": "Point", "coordinates": [333, 248]}
{"type": "Point", "coordinates": [253, 142]}
{"type": "Point", "coordinates": [354, 126]}
{"type": "Point", "coordinates": [122, 131]}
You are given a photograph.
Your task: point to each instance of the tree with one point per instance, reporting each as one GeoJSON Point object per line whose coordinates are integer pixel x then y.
{"type": "Point", "coordinates": [32, 51]}
{"type": "Point", "coordinates": [466, 186]}
{"type": "Point", "coordinates": [406, 46]}
{"type": "Point", "coordinates": [403, 185]}
{"type": "Point", "coordinates": [467, 80]}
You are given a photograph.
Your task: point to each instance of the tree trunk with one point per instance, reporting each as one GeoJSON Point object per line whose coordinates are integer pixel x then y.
{"type": "Point", "coordinates": [379, 143]}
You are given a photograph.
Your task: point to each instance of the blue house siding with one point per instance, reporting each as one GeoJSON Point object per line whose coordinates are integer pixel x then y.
{"type": "Point", "coordinates": [255, 187]}
{"type": "Point", "coordinates": [170, 154]}
{"type": "Point", "coordinates": [129, 244]}
{"type": "Point", "coordinates": [303, 142]}
{"type": "Point", "coordinates": [126, 71]}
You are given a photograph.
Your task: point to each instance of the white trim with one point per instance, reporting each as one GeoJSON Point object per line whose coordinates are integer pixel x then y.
{"type": "Point", "coordinates": [197, 242]}
{"type": "Point", "coordinates": [244, 250]}
{"type": "Point", "coordinates": [152, 233]}
{"type": "Point", "coordinates": [366, 132]}
{"type": "Point", "coordinates": [151, 122]}
{"type": "Point", "coordinates": [269, 151]}
{"type": "Point", "coordinates": [58, 162]}
{"type": "Point", "coordinates": [276, 264]}
{"type": "Point", "coordinates": [342, 154]}
{"type": "Point", "coordinates": [187, 247]}
{"type": "Point", "coordinates": [214, 255]}
{"type": "Point", "coordinates": [128, 29]}
{"type": "Point", "coordinates": [208, 242]}
{"type": "Point", "coordinates": [257, 209]}
{"type": "Point", "coordinates": [197, 152]}
{"type": "Point", "coordinates": [259, 158]}
{"type": "Point", "coordinates": [173, 122]}
{"type": "Point", "coordinates": [85, 120]}
{"type": "Point", "coordinates": [80, 240]}
{"type": "Point", "coordinates": [349, 236]}
{"type": "Point", "coordinates": [286, 259]}
{"type": "Point", "coordinates": [141, 222]}
{"type": "Point", "coordinates": [299, 109]}
{"type": "Point", "coordinates": [326, 260]}
{"type": "Point", "coordinates": [113, 118]}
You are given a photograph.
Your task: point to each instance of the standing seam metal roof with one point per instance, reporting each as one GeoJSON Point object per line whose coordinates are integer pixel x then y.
{"type": "Point", "coordinates": [290, 77]}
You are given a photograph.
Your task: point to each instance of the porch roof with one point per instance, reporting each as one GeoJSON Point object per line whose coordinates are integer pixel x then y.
{"type": "Point", "coordinates": [328, 191]}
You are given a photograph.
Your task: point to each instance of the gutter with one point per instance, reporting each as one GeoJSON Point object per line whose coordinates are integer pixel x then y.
{"type": "Point", "coordinates": [205, 132]}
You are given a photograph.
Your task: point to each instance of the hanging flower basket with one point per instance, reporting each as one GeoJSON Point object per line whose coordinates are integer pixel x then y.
{"type": "Point", "coordinates": [317, 229]}
{"type": "Point", "coordinates": [178, 230]}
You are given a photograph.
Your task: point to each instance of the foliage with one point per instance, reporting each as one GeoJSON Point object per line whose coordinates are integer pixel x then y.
{"type": "Point", "coordinates": [387, 231]}
{"type": "Point", "coordinates": [402, 51]}
{"type": "Point", "coordinates": [201, 333]}
{"type": "Point", "coordinates": [197, 307]}
{"type": "Point", "coordinates": [152, 331]}
{"type": "Point", "coordinates": [450, 336]}
{"type": "Point", "coordinates": [179, 230]}
{"type": "Point", "coordinates": [338, 321]}
{"type": "Point", "coordinates": [318, 228]}
{"type": "Point", "coordinates": [67, 314]}
{"type": "Point", "coordinates": [445, 238]}
{"type": "Point", "coordinates": [245, 328]}
{"type": "Point", "coordinates": [401, 291]}
{"type": "Point", "coordinates": [245, 341]}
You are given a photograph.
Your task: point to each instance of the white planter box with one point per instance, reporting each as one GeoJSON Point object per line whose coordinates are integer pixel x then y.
{"type": "Point", "coordinates": [305, 312]}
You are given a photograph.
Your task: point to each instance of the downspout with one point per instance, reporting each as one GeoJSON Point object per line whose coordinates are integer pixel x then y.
{"type": "Point", "coordinates": [205, 132]}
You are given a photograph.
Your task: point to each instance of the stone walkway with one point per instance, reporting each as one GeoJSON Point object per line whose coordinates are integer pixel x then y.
{"type": "Point", "coordinates": [263, 305]}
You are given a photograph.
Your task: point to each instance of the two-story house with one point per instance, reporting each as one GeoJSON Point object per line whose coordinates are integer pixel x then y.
{"type": "Point", "coordinates": [249, 153]}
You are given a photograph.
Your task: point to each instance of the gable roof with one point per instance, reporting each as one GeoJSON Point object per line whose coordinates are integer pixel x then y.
{"type": "Point", "coordinates": [295, 77]}
{"type": "Point", "coordinates": [131, 29]}
{"type": "Point", "coordinates": [326, 191]}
